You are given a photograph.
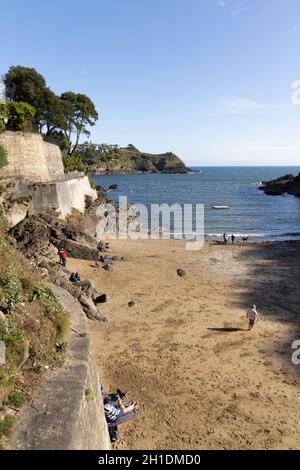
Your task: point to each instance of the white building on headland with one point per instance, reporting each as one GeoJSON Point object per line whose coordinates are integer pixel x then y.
{"type": "Point", "coordinates": [100, 149]}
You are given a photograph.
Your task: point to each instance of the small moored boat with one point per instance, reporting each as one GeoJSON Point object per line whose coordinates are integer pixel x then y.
{"type": "Point", "coordinates": [221, 207]}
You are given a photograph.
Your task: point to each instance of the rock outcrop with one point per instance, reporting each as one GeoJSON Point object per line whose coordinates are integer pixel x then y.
{"type": "Point", "coordinates": [289, 184]}
{"type": "Point", "coordinates": [131, 160]}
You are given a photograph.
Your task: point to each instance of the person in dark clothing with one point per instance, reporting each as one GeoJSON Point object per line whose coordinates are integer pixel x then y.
{"type": "Point", "coordinates": [75, 277]}
{"type": "Point", "coordinates": [232, 239]}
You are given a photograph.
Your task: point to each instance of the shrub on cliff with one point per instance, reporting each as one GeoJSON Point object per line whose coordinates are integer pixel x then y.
{"type": "Point", "coordinates": [16, 116]}
{"type": "Point", "coordinates": [74, 162]}
{"type": "Point", "coordinates": [3, 156]}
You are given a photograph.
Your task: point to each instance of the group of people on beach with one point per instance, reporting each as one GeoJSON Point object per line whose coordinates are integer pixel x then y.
{"type": "Point", "coordinates": [233, 238]}
{"type": "Point", "coordinates": [226, 238]}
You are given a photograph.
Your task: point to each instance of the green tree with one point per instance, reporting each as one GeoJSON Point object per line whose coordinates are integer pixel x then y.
{"type": "Point", "coordinates": [79, 112]}
{"type": "Point", "coordinates": [16, 116]}
{"type": "Point", "coordinates": [74, 162]}
{"type": "Point", "coordinates": [25, 84]}
{"type": "Point", "coordinates": [61, 139]}
{"type": "Point", "coordinates": [52, 114]}
{"type": "Point", "coordinates": [70, 114]}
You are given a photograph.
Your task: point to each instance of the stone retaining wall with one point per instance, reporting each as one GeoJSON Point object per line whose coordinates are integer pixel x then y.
{"type": "Point", "coordinates": [62, 195]}
{"type": "Point", "coordinates": [66, 412]}
{"type": "Point", "coordinates": [31, 157]}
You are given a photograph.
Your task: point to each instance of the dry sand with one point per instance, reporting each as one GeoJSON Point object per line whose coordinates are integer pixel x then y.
{"type": "Point", "coordinates": [198, 383]}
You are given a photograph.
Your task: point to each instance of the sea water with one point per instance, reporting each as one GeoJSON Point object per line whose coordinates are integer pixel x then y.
{"type": "Point", "coordinates": [251, 212]}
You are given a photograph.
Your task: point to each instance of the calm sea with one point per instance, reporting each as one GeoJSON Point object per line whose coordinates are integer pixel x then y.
{"type": "Point", "coordinates": [251, 211]}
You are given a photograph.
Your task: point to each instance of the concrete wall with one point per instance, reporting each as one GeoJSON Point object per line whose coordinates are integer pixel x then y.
{"type": "Point", "coordinates": [62, 195]}
{"type": "Point", "coordinates": [66, 412]}
{"type": "Point", "coordinates": [31, 157]}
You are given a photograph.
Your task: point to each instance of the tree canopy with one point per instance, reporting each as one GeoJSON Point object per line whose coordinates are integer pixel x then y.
{"type": "Point", "coordinates": [79, 112]}
{"type": "Point", "coordinates": [64, 117]}
{"type": "Point", "coordinates": [16, 116]}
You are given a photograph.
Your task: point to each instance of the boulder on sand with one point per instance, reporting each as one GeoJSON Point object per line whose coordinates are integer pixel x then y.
{"type": "Point", "coordinates": [99, 299]}
{"type": "Point", "coordinates": [80, 250]}
{"type": "Point", "coordinates": [89, 308]}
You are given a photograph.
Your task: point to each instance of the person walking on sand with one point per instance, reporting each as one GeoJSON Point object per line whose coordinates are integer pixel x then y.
{"type": "Point", "coordinates": [232, 239]}
{"type": "Point", "coordinates": [63, 257]}
{"type": "Point", "coordinates": [225, 238]}
{"type": "Point", "coordinates": [253, 317]}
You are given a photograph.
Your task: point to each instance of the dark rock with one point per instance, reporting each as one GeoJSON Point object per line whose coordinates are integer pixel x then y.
{"type": "Point", "coordinates": [99, 299]}
{"type": "Point", "coordinates": [181, 272]}
{"type": "Point", "coordinates": [42, 235]}
{"type": "Point", "coordinates": [80, 251]}
{"type": "Point", "coordinates": [113, 186]}
{"type": "Point", "coordinates": [117, 258]}
{"type": "Point", "coordinates": [285, 184]}
{"type": "Point", "coordinates": [108, 267]}
{"type": "Point", "coordinates": [131, 303]}
{"type": "Point", "coordinates": [105, 259]}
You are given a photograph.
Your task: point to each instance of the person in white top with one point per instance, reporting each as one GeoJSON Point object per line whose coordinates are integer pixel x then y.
{"type": "Point", "coordinates": [253, 317]}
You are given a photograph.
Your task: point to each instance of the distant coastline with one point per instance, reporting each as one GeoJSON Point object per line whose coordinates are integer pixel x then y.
{"type": "Point", "coordinates": [106, 159]}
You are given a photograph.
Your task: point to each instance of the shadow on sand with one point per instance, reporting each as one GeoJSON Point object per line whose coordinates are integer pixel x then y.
{"type": "Point", "coordinates": [225, 330]}
{"type": "Point", "coordinates": [272, 283]}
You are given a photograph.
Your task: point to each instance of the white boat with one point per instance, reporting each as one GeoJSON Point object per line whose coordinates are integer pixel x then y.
{"type": "Point", "coordinates": [221, 207]}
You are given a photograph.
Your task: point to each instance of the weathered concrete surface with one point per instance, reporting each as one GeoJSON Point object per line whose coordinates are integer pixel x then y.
{"type": "Point", "coordinates": [61, 416]}
{"type": "Point", "coordinates": [63, 196]}
{"type": "Point", "coordinates": [31, 157]}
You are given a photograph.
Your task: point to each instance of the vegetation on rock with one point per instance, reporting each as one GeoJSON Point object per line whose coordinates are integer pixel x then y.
{"type": "Point", "coordinates": [16, 116]}
{"type": "Point", "coordinates": [74, 162]}
{"type": "Point", "coordinates": [31, 323]}
{"type": "Point", "coordinates": [131, 160]}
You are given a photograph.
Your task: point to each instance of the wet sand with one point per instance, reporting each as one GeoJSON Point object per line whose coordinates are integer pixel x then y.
{"type": "Point", "coordinates": [202, 381]}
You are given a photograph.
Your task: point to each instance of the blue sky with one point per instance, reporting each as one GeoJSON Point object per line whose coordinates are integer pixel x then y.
{"type": "Point", "coordinates": [210, 80]}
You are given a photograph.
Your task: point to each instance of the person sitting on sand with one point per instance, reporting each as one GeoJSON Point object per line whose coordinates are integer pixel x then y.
{"type": "Point", "coordinates": [75, 277]}
{"type": "Point", "coordinates": [117, 413]}
{"type": "Point", "coordinates": [253, 317]}
{"type": "Point", "coordinates": [114, 414]}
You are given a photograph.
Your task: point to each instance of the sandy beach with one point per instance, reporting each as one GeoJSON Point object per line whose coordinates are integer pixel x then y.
{"type": "Point", "coordinates": [202, 381]}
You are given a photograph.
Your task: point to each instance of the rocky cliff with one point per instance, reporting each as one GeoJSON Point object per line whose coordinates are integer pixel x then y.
{"type": "Point", "coordinates": [289, 184]}
{"type": "Point", "coordinates": [132, 160]}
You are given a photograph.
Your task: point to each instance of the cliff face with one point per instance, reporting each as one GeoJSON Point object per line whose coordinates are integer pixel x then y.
{"type": "Point", "coordinates": [131, 160]}
{"type": "Point", "coordinates": [289, 184]}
